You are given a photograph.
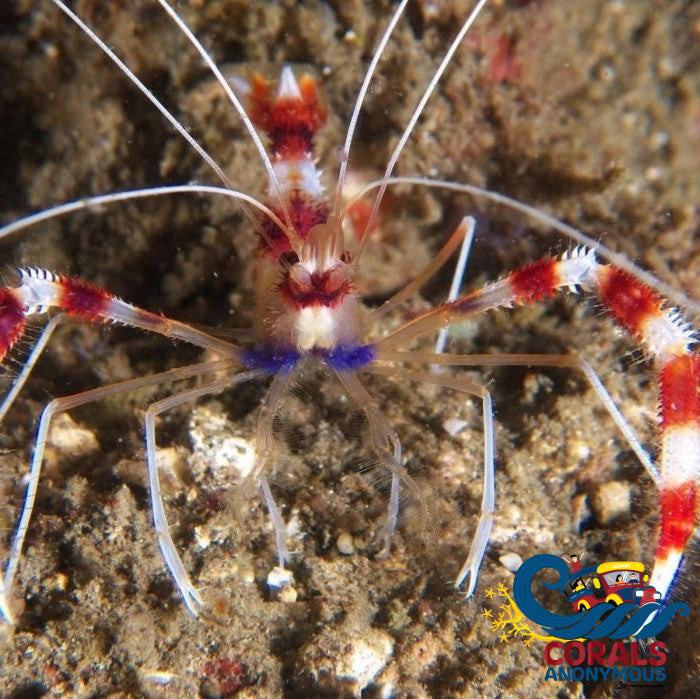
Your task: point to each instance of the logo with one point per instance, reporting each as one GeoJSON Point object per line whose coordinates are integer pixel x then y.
{"type": "Point", "coordinates": [614, 602]}
{"type": "Point", "coordinates": [609, 600]}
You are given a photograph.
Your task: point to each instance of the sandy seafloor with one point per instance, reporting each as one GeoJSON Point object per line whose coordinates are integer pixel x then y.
{"type": "Point", "coordinates": [587, 109]}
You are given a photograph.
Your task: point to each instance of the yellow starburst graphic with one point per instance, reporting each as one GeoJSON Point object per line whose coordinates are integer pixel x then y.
{"type": "Point", "coordinates": [511, 622]}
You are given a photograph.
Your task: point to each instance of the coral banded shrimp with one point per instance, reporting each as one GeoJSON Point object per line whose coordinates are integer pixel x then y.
{"type": "Point", "coordinates": [308, 309]}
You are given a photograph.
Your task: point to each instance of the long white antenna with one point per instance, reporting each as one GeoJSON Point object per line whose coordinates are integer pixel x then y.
{"type": "Point", "coordinates": [616, 258]}
{"type": "Point", "coordinates": [238, 106]}
{"type": "Point", "coordinates": [360, 99]}
{"type": "Point", "coordinates": [145, 91]}
{"type": "Point", "coordinates": [416, 115]}
{"type": "Point", "coordinates": [103, 199]}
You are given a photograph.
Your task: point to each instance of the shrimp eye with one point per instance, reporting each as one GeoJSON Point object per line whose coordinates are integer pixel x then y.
{"type": "Point", "coordinates": [346, 257]}
{"type": "Point", "coordinates": [287, 259]}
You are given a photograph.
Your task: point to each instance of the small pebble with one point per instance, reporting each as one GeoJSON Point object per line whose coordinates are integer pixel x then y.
{"type": "Point", "coordinates": [279, 577]}
{"type": "Point", "coordinates": [202, 536]}
{"type": "Point", "coordinates": [67, 435]}
{"type": "Point", "coordinates": [611, 500]}
{"type": "Point", "coordinates": [345, 544]}
{"type": "Point", "coordinates": [246, 574]}
{"type": "Point", "coordinates": [287, 594]}
{"type": "Point", "coordinates": [511, 561]}
{"type": "Point", "coordinates": [453, 426]}
{"type": "Point", "coordinates": [159, 677]}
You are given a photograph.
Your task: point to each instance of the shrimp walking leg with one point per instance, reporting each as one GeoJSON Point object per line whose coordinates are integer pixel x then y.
{"type": "Point", "coordinates": [60, 405]}
{"type": "Point", "coordinates": [387, 446]}
{"type": "Point", "coordinates": [470, 568]}
{"type": "Point", "coordinates": [191, 597]}
{"type": "Point", "coordinates": [264, 450]}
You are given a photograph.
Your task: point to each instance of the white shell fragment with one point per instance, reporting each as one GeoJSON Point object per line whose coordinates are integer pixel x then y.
{"type": "Point", "coordinates": [281, 582]}
{"type": "Point", "coordinates": [511, 561]}
{"type": "Point", "coordinates": [279, 577]}
{"type": "Point", "coordinates": [345, 544]}
{"type": "Point", "coordinates": [453, 426]}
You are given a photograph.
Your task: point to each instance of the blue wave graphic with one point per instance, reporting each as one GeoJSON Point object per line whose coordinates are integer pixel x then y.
{"type": "Point", "coordinates": [663, 618]}
{"type": "Point", "coordinates": [522, 590]}
{"type": "Point", "coordinates": [588, 624]}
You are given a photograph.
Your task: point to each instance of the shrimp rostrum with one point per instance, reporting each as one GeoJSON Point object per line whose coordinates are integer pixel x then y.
{"type": "Point", "coordinates": [307, 310]}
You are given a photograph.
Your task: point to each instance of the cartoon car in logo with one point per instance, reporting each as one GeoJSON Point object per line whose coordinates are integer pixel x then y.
{"type": "Point", "coordinates": [615, 582]}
